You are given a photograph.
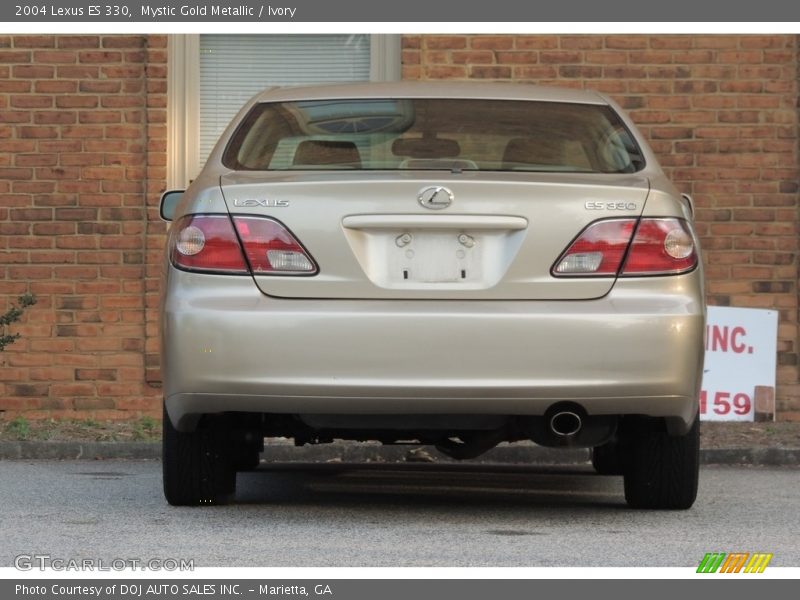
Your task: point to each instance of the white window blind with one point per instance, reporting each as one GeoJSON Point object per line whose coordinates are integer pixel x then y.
{"type": "Point", "coordinates": [235, 67]}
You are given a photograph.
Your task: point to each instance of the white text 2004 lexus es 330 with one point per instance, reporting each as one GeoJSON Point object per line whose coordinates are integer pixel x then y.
{"type": "Point", "coordinates": [448, 264]}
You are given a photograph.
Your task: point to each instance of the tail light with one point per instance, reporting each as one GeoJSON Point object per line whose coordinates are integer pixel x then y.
{"type": "Point", "coordinates": [599, 250]}
{"type": "Point", "coordinates": [271, 249]}
{"type": "Point", "coordinates": [207, 243]}
{"type": "Point", "coordinates": [662, 246]}
{"type": "Point", "coordinates": [237, 246]}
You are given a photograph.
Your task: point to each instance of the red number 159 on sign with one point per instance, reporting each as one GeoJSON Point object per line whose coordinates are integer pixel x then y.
{"type": "Point", "coordinates": [725, 403]}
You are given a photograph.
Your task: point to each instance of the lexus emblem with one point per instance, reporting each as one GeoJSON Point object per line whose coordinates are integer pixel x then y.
{"type": "Point", "coordinates": [435, 197]}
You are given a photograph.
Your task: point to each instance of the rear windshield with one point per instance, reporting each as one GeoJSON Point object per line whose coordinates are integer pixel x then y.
{"type": "Point", "coordinates": [444, 134]}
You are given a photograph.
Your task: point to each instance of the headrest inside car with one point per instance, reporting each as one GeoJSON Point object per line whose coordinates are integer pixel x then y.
{"type": "Point", "coordinates": [534, 151]}
{"type": "Point", "coordinates": [325, 152]}
{"type": "Point", "coordinates": [426, 147]}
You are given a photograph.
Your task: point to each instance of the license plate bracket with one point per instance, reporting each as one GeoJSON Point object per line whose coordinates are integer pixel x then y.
{"type": "Point", "coordinates": [434, 257]}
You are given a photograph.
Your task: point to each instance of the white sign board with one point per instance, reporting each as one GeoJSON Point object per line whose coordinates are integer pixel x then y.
{"type": "Point", "coordinates": [741, 346]}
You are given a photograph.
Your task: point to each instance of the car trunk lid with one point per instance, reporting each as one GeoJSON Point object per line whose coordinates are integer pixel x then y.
{"type": "Point", "coordinates": [434, 234]}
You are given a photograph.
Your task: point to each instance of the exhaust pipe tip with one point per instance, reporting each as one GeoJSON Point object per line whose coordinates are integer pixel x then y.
{"type": "Point", "coordinates": [566, 423]}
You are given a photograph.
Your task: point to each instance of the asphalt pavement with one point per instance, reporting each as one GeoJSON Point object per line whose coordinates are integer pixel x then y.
{"type": "Point", "coordinates": [339, 514]}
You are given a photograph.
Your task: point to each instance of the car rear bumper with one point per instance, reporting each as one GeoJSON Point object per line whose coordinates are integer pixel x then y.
{"type": "Point", "coordinates": [228, 347]}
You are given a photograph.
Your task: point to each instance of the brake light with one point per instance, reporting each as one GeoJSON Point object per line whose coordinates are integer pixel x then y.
{"type": "Point", "coordinates": [599, 250]}
{"type": "Point", "coordinates": [245, 245]}
{"type": "Point", "coordinates": [207, 243]}
{"type": "Point", "coordinates": [271, 249]}
{"type": "Point", "coordinates": [659, 246]}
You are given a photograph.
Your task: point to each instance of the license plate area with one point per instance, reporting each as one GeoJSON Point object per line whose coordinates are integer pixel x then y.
{"type": "Point", "coordinates": [431, 257]}
{"type": "Point", "coordinates": [425, 253]}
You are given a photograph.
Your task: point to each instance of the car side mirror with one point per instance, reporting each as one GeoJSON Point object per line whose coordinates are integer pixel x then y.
{"type": "Point", "coordinates": [687, 200]}
{"type": "Point", "coordinates": [169, 202]}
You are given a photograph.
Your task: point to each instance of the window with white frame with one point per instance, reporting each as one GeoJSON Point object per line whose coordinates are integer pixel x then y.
{"type": "Point", "coordinates": [212, 76]}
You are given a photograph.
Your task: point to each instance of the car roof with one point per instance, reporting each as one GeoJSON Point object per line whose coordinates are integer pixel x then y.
{"type": "Point", "coordinates": [439, 89]}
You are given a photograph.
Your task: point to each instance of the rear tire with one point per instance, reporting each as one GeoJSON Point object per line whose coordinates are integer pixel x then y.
{"type": "Point", "coordinates": [606, 459]}
{"type": "Point", "coordinates": [197, 466]}
{"type": "Point", "coordinates": [661, 471]}
{"type": "Point", "coordinates": [246, 458]}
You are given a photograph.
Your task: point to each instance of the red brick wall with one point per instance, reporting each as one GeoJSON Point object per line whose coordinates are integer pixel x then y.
{"type": "Point", "coordinates": [156, 89]}
{"type": "Point", "coordinates": [721, 113]}
{"type": "Point", "coordinates": [82, 155]}
{"type": "Point", "coordinates": [83, 158]}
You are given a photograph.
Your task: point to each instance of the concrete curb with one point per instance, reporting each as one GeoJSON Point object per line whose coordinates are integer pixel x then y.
{"type": "Point", "coordinates": [751, 456]}
{"type": "Point", "coordinates": [79, 450]}
{"type": "Point", "coordinates": [282, 452]}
